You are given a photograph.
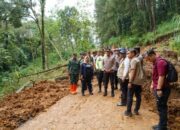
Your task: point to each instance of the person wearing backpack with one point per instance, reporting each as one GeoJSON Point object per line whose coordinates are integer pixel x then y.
{"type": "Point", "coordinates": [86, 76]}
{"type": "Point", "coordinates": [160, 86]}
{"type": "Point", "coordinates": [136, 76]}
{"type": "Point", "coordinates": [73, 70]}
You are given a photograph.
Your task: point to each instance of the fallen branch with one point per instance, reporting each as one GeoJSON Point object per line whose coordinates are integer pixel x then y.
{"type": "Point", "coordinates": [57, 67]}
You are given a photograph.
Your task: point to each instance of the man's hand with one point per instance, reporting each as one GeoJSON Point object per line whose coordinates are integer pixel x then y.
{"type": "Point", "coordinates": [129, 85]}
{"type": "Point", "coordinates": [159, 93]}
{"type": "Point", "coordinates": [81, 77]}
{"type": "Point", "coordinates": [151, 88]}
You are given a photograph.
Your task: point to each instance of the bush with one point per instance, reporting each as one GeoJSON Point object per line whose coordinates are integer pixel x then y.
{"type": "Point", "coordinates": [175, 44]}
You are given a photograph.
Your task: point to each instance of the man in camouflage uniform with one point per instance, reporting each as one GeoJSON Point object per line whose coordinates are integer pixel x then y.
{"type": "Point", "coordinates": [74, 70]}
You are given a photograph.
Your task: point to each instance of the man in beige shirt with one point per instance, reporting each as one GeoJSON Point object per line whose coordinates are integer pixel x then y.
{"type": "Point", "coordinates": [134, 85]}
{"type": "Point", "coordinates": [108, 64]}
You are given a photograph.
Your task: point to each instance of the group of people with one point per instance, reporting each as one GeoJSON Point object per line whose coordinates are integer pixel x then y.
{"type": "Point", "coordinates": [124, 68]}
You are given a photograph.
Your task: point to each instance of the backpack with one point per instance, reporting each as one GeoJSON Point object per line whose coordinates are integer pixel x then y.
{"type": "Point", "coordinates": [172, 75]}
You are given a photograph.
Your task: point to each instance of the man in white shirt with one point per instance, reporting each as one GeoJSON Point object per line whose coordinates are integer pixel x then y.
{"type": "Point", "coordinates": [123, 76]}
{"type": "Point", "coordinates": [99, 69]}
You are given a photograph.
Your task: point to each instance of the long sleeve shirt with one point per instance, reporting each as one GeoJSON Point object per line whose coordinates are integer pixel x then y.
{"type": "Point", "coordinates": [87, 70]}
{"type": "Point", "coordinates": [108, 63]}
{"type": "Point", "coordinates": [73, 66]}
{"type": "Point", "coordinates": [99, 63]}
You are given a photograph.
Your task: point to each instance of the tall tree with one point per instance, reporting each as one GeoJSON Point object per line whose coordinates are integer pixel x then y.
{"type": "Point", "coordinates": [44, 59]}
{"type": "Point", "coordinates": [39, 20]}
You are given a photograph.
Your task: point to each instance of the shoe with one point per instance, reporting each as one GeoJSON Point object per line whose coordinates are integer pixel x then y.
{"type": "Point", "coordinates": [74, 89]}
{"type": "Point", "coordinates": [126, 113]}
{"type": "Point", "coordinates": [136, 112]}
{"type": "Point", "coordinates": [71, 89]}
{"type": "Point", "coordinates": [121, 104]}
{"type": "Point", "coordinates": [155, 127]}
{"type": "Point", "coordinates": [105, 94]}
{"type": "Point", "coordinates": [112, 93]}
{"type": "Point", "coordinates": [91, 93]}
{"type": "Point", "coordinates": [160, 128]}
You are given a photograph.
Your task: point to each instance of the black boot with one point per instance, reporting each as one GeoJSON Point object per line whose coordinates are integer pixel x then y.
{"type": "Point", "coordinates": [105, 92]}
{"type": "Point", "coordinates": [83, 94]}
{"type": "Point", "coordinates": [112, 93]}
{"type": "Point", "coordinates": [99, 89]}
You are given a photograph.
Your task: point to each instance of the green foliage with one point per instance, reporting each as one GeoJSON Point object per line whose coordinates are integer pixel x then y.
{"type": "Point", "coordinates": [66, 32]}
{"type": "Point", "coordinates": [5, 59]}
{"type": "Point", "coordinates": [175, 44]}
{"type": "Point", "coordinates": [132, 40]}
{"type": "Point", "coordinates": [134, 18]}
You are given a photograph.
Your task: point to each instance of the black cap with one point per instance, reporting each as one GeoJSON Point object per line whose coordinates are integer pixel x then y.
{"type": "Point", "coordinates": [150, 52]}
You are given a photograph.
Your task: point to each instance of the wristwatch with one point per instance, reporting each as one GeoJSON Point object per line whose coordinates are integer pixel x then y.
{"type": "Point", "coordinates": [158, 89]}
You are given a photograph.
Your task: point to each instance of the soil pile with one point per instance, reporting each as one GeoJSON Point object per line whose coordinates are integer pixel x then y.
{"type": "Point", "coordinates": [17, 108]}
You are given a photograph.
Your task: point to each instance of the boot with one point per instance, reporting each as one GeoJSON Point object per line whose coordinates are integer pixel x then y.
{"type": "Point", "coordinates": [99, 89]}
{"type": "Point", "coordinates": [105, 92]}
{"type": "Point", "coordinates": [112, 93]}
{"type": "Point", "coordinates": [75, 89]}
{"type": "Point", "coordinates": [71, 88]}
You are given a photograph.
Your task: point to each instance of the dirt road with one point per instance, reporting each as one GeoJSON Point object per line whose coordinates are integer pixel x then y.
{"type": "Point", "coordinates": [96, 112]}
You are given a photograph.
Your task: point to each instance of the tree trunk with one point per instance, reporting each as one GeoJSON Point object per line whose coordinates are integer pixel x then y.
{"type": "Point", "coordinates": [153, 15]}
{"type": "Point", "coordinates": [150, 5]}
{"type": "Point", "coordinates": [6, 42]}
{"type": "Point", "coordinates": [44, 61]}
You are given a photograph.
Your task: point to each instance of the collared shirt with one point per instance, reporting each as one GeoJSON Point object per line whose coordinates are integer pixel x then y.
{"type": "Point", "coordinates": [108, 63]}
{"type": "Point", "coordinates": [99, 63]}
{"type": "Point", "coordinates": [159, 69]}
{"type": "Point", "coordinates": [135, 64]}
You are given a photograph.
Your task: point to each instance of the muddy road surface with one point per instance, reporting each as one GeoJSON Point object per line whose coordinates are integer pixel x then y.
{"type": "Point", "coordinates": [74, 112]}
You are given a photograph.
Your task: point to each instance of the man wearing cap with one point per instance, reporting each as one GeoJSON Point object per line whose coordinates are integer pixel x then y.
{"type": "Point", "coordinates": [134, 85]}
{"type": "Point", "coordinates": [99, 69]}
{"type": "Point", "coordinates": [160, 87]}
{"type": "Point", "coordinates": [123, 76]}
{"type": "Point", "coordinates": [108, 64]}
